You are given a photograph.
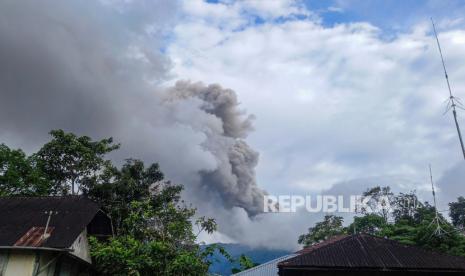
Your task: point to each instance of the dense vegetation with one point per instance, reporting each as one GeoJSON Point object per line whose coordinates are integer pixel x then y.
{"type": "Point", "coordinates": [155, 228]}
{"type": "Point", "coordinates": [403, 218]}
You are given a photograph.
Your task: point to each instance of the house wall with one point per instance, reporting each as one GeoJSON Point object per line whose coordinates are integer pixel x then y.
{"type": "Point", "coordinates": [47, 263]}
{"type": "Point", "coordinates": [39, 263]}
{"type": "Point", "coordinates": [3, 262]}
{"type": "Point", "coordinates": [81, 247]}
{"type": "Point", "coordinates": [20, 263]}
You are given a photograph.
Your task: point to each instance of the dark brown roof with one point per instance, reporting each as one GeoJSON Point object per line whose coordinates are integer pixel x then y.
{"type": "Point", "coordinates": [321, 244]}
{"type": "Point", "coordinates": [21, 217]}
{"type": "Point", "coordinates": [362, 251]}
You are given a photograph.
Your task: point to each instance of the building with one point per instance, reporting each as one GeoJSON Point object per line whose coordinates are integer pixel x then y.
{"type": "Point", "coordinates": [265, 269]}
{"type": "Point", "coordinates": [49, 235]}
{"type": "Point", "coordinates": [369, 255]}
{"type": "Point", "coordinates": [271, 267]}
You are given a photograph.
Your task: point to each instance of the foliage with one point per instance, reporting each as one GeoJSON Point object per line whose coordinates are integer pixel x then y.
{"type": "Point", "coordinates": [381, 199]}
{"type": "Point", "coordinates": [329, 227]}
{"type": "Point", "coordinates": [369, 224]}
{"type": "Point", "coordinates": [154, 227]}
{"type": "Point", "coordinates": [154, 241]}
{"type": "Point", "coordinates": [406, 207]}
{"type": "Point", "coordinates": [420, 229]}
{"type": "Point", "coordinates": [125, 255]}
{"type": "Point", "coordinates": [115, 189]}
{"type": "Point", "coordinates": [457, 212]}
{"type": "Point", "coordinates": [67, 159]}
{"type": "Point", "coordinates": [414, 223]}
{"type": "Point", "coordinates": [19, 174]}
{"type": "Point", "coordinates": [151, 221]}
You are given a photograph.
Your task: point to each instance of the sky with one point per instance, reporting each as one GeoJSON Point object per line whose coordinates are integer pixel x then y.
{"type": "Point", "coordinates": [236, 99]}
{"type": "Point", "coordinates": [346, 94]}
{"type": "Point", "coordinates": [344, 90]}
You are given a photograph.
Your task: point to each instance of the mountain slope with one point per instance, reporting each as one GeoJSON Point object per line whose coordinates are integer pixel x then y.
{"type": "Point", "coordinates": [222, 266]}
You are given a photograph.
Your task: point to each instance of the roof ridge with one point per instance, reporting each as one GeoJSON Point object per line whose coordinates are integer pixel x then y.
{"type": "Point", "coordinates": [424, 249]}
{"type": "Point", "coordinates": [325, 243]}
{"type": "Point", "coordinates": [344, 238]}
{"type": "Point", "coordinates": [41, 196]}
{"type": "Point", "coordinates": [371, 240]}
{"type": "Point", "coordinates": [395, 242]}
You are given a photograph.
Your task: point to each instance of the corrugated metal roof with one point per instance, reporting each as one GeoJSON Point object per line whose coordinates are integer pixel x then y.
{"type": "Point", "coordinates": [369, 252]}
{"type": "Point", "coordinates": [265, 269]}
{"type": "Point", "coordinates": [321, 244]}
{"type": "Point", "coordinates": [71, 215]}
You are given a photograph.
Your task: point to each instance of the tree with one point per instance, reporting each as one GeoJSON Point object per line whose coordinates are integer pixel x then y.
{"type": "Point", "coordinates": [371, 224]}
{"type": "Point", "coordinates": [154, 242]}
{"type": "Point", "coordinates": [457, 212]}
{"type": "Point", "coordinates": [19, 174]}
{"type": "Point", "coordinates": [381, 199]}
{"type": "Point", "coordinates": [152, 222]}
{"type": "Point", "coordinates": [154, 227]}
{"type": "Point", "coordinates": [415, 223]}
{"type": "Point", "coordinates": [147, 247]}
{"type": "Point", "coordinates": [330, 226]}
{"type": "Point", "coordinates": [67, 159]}
{"type": "Point", "coordinates": [406, 206]}
{"type": "Point", "coordinates": [115, 188]}
{"type": "Point", "coordinates": [426, 225]}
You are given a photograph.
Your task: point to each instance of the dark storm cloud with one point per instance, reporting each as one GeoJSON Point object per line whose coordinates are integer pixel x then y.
{"type": "Point", "coordinates": [95, 69]}
{"type": "Point", "coordinates": [61, 67]}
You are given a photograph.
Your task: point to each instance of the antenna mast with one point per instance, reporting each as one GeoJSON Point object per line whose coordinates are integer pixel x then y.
{"type": "Point", "coordinates": [438, 220]}
{"type": "Point", "coordinates": [453, 101]}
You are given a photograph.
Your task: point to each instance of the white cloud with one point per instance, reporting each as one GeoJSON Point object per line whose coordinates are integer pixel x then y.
{"type": "Point", "coordinates": [333, 104]}
{"type": "Point", "coordinates": [274, 8]}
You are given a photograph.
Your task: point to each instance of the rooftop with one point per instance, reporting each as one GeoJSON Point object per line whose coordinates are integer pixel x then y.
{"type": "Point", "coordinates": [23, 220]}
{"type": "Point", "coordinates": [368, 252]}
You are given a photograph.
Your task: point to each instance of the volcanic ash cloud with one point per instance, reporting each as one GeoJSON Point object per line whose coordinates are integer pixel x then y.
{"type": "Point", "coordinates": [233, 179]}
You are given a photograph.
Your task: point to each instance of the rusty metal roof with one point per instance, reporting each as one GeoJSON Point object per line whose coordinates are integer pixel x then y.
{"type": "Point", "coordinates": [358, 252]}
{"type": "Point", "coordinates": [34, 237]}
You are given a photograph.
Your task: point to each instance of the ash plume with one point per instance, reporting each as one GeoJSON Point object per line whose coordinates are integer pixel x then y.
{"type": "Point", "coordinates": [220, 102]}
{"type": "Point", "coordinates": [234, 177]}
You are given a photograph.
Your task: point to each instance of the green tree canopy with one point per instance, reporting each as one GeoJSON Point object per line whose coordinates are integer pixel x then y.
{"type": "Point", "coordinates": [19, 174]}
{"type": "Point", "coordinates": [154, 227]}
{"type": "Point", "coordinates": [370, 224]}
{"type": "Point", "coordinates": [414, 222]}
{"type": "Point", "coordinates": [457, 212]}
{"type": "Point", "coordinates": [381, 199]}
{"type": "Point", "coordinates": [329, 227]}
{"type": "Point", "coordinates": [68, 159]}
